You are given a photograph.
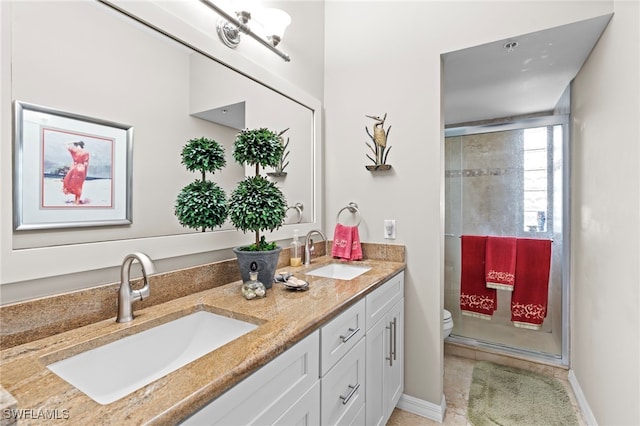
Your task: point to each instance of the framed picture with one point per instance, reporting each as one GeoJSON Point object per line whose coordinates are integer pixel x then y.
{"type": "Point", "coordinates": [69, 170]}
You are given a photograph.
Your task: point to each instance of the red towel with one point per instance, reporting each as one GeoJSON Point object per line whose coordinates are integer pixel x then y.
{"type": "Point", "coordinates": [500, 267]}
{"type": "Point", "coordinates": [475, 298]}
{"type": "Point", "coordinates": [342, 242]}
{"type": "Point", "coordinates": [356, 248]}
{"type": "Point", "coordinates": [530, 293]}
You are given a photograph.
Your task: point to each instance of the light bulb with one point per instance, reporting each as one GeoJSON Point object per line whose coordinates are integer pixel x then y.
{"type": "Point", "coordinates": [274, 23]}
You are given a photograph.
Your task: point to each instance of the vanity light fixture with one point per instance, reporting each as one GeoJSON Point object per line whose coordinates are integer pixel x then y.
{"type": "Point", "coordinates": [274, 22]}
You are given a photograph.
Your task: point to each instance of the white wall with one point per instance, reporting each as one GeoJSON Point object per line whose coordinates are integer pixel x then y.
{"type": "Point", "coordinates": [385, 57]}
{"type": "Point", "coordinates": [606, 222]}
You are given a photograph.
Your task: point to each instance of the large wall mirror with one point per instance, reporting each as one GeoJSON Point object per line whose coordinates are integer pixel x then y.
{"type": "Point", "coordinates": [88, 58]}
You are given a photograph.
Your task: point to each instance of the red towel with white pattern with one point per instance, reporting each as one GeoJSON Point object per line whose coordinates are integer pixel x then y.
{"type": "Point", "coordinates": [475, 298]}
{"type": "Point", "coordinates": [500, 266]}
{"type": "Point", "coordinates": [530, 293]}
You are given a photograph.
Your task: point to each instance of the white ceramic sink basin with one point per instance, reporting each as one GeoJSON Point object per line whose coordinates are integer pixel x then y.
{"type": "Point", "coordinates": [339, 271]}
{"type": "Point", "coordinates": [109, 372]}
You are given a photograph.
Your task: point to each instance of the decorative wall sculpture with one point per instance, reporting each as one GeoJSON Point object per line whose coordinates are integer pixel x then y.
{"type": "Point", "coordinates": [379, 148]}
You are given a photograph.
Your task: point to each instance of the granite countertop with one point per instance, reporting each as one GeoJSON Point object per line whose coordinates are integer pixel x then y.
{"type": "Point", "coordinates": [283, 318]}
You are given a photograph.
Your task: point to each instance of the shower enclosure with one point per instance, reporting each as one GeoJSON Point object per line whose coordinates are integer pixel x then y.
{"type": "Point", "coordinates": [509, 179]}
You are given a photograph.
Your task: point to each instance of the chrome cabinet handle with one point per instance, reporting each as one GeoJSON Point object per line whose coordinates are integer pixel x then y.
{"type": "Point", "coordinates": [395, 337]}
{"type": "Point", "coordinates": [345, 399]}
{"type": "Point", "coordinates": [393, 332]}
{"type": "Point", "coordinates": [353, 331]}
{"type": "Point", "coordinates": [390, 357]}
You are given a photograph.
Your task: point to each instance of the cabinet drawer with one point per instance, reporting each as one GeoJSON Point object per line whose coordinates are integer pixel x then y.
{"type": "Point", "coordinates": [269, 392]}
{"type": "Point", "coordinates": [340, 335]}
{"type": "Point", "coordinates": [342, 390]}
{"type": "Point", "coordinates": [383, 298]}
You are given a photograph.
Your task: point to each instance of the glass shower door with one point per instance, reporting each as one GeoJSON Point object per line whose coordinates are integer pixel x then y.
{"type": "Point", "coordinates": [507, 181]}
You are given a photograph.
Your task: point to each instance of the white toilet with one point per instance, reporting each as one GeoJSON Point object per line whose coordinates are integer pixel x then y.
{"type": "Point", "coordinates": [447, 324]}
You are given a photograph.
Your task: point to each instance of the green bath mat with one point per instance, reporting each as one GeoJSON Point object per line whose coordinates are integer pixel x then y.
{"type": "Point", "coordinates": [502, 395]}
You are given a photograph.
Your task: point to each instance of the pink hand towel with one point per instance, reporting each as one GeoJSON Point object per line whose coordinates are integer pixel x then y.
{"type": "Point", "coordinates": [342, 242]}
{"type": "Point", "coordinates": [356, 248]}
{"type": "Point", "coordinates": [475, 298]}
{"type": "Point", "coordinates": [530, 294]}
{"type": "Point", "coordinates": [500, 267]}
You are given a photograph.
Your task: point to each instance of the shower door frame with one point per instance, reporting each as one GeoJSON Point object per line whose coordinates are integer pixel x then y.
{"type": "Point", "coordinates": [519, 124]}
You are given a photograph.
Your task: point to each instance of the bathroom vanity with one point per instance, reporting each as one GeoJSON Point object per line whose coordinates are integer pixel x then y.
{"type": "Point", "coordinates": [304, 359]}
{"type": "Point", "coordinates": [324, 378]}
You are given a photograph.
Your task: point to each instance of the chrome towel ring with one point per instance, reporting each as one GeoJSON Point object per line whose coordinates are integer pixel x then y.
{"type": "Point", "coordinates": [353, 208]}
{"type": "Point", "coordinates": [298, 207]}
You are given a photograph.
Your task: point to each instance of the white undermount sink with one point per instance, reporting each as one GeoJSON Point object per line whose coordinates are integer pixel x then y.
{"type": "Point", "coordinates": [339, 271]}
{"type": "Point", "coordinates": [109, 372]}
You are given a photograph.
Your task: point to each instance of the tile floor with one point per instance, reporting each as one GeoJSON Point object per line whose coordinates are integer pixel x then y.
{"type": "Point", "coordinates": [457, 381]}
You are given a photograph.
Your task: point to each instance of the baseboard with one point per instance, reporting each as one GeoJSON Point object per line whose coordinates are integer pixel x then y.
{"type": "Point", "coordinates": [423, 408]}
{"type": "Point", "coordinates": [587, 414]}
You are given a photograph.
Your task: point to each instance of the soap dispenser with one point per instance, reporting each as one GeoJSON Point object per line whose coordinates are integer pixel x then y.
{"type": "Point", "coordinates": [296, 250]}
{"type": "Point", "coordinates": [253, 288]}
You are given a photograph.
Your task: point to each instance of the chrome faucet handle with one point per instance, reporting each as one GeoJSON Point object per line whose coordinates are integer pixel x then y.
{"type": "Point", "coordinates": [143, 293]}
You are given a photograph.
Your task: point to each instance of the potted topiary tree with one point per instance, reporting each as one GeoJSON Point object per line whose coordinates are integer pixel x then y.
{"type": "Point", "coordinates": [257, 204]}
{"type": "Point", "coordinates": [202, 204]}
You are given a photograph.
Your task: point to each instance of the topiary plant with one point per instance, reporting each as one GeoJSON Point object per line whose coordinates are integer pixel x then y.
{"type": "Point", "coordinates": [202, 204]}
{"type": "Point", "coordinates": [257, 204]}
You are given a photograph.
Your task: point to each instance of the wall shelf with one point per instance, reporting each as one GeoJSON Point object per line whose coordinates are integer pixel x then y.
{"type": "Point", "coordinates": [379, 167]}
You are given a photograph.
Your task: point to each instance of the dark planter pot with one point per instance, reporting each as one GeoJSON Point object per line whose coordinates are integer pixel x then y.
{"type": "Point", "coordinates": [267, 262]}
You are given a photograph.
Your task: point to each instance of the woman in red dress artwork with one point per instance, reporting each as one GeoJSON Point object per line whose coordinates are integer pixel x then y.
{"type": "Point", "coordinates": [74, 179]}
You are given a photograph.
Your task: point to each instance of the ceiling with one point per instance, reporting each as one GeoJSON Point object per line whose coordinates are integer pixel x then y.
{"type": "Point", "coordinates": [490, 81]}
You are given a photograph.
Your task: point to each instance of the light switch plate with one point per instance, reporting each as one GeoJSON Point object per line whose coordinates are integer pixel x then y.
{"type": "Point", "coordinates": [390, 229]}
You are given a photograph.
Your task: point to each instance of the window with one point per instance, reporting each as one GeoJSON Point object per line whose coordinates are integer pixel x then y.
{"type": "Point", "coordinates": [536, 179]}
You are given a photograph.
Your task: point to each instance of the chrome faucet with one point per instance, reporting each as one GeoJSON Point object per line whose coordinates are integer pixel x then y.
{"type": "Point", "coordinates": [126, 296]}
{"type": "Point", "coordinates": [308, 245]}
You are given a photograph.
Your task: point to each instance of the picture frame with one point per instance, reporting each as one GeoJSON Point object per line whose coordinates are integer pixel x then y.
{"type": "Point", "coordinates": [70, 170]}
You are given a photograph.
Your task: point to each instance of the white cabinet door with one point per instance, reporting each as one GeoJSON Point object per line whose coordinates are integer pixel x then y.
{"type": "Point", "coordinates": [385, 365]}
{"type": "Point", "coordinates": [394, 372]}
{"type": "Point", "coordinates": [385, 350]}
